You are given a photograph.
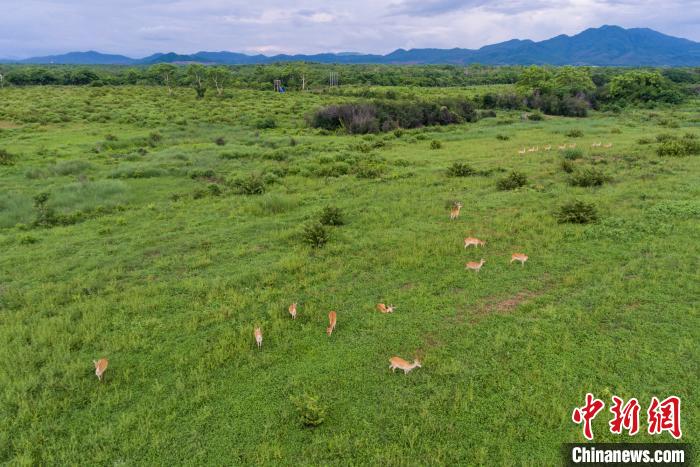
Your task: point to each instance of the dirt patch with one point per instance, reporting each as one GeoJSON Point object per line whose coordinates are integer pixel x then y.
{"type": "Point", "coordinates": [7, 125]}
{"type": "Point", "coordinates": [509, 304]}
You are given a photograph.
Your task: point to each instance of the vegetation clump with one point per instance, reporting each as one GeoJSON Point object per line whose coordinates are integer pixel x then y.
{"type": "Point", "coordinates": [6, 158]}
{"type": "Point", "coordinates": [588, 177]}
{"type": "Point", "coordinates": [679, 147]}
{"type": "Point", "coordinates": [315, 235]}
{"type": "Point", "coordinates": [460, 169]}
{"type": "Point", "coordinates": [577, 212]}
{"type": "Point", "coordinates": [251, 185]}
{"type": "Point", "coordinates": [512, 181]}
{"type": "Point", "coordinates": [310, 411]}
{"type": "Point", "coordinates": [332, 215]}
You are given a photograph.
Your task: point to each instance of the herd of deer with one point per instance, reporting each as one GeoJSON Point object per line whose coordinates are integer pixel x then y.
{"type": "Point", "coordinates": [396, 362]}
{"type": "Point", "coordinates": [561, 147]}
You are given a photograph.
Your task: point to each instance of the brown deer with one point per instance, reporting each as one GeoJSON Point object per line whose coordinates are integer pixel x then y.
{"type": "Point", "coordinates": [258, 337]}
{"type": "Point", "coordinates": [100, 367]}
{"type": "Point", "coordinates": [293, 310]}
{"type": "Point", "coordinates": [401, 364]}
{"type": "Point", "coordinates": [474, 266]}
{"type": "Point", "coordinates": [607, 145]}
{"type": "Point", "coordinates": [382, 308]}
{"type": "Point", "coordinates": [522, 151]}
{"type": "Point", "coordinates": [454, 213]}
{"type": "Point", "coordinates": [572, 145]}
{"type": "Point", "coordinates": [469, 241]}
{"type": "Point", "coordinates": [331, 320]}
{"type": "Point", "coordinates": [519, 257]}
{"type": "Point", "coordinates": [561, 146]}
{"type": "Point", "coordinates": [548, 147]}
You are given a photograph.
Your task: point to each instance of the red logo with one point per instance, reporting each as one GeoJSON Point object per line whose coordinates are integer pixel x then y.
{"type": "Point", "coordinates": [665, 416]}
{"type": "Point", "coordinates": [587, 413]}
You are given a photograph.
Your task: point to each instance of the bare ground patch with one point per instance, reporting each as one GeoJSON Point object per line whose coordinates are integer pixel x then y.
{"type": "Point", "coordinates": [7, 125]}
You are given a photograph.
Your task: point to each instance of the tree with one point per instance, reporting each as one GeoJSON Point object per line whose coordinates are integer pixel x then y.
{"type": "Point", "coordinates": [219, 76]}
{"type": "Point", "coordinates": [572, 81]}
{"type": "Point", "coordinates": [197, 75]}
{"type": "Point", "coordinates": [643, 86]}
{"type": "Point", "coordinates": [536, 80]}
{"type": "Point", "coordinates": [165, 73]}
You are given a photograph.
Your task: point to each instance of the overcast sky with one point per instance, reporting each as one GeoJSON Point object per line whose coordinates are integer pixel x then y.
{"type": "Point", "coordinates": [140, 27]}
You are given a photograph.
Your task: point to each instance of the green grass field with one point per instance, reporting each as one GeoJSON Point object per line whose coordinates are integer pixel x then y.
{"type": "Point", "coordinates": [162, 267]}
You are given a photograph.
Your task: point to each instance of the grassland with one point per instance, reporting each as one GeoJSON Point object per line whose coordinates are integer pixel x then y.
{"type": "Point", "coordinates": [153, 268]}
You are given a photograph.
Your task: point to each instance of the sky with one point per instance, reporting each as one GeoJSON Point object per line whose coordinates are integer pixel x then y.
{"type": "Point", "coordinates": [138, 28]}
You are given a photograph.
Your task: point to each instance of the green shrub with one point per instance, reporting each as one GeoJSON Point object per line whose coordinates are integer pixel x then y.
{"type": "Point", "coordinates": [460, 169]}
{"type": "Point", "coordinates": [588, 177]}
{"type": "Point", "coordinates": [512, 181]}
{"type": "Point", "coordinates": [72, 167]}
{"type": "Point", "coordinates": [214, 189]}
{"type": "Point", "coordinates": [369, 169]}
{"type": "Point", "coordinates": [6, 158]}
{"type": "Point", "coordinates": [501, 137]}
{"type": "Point", "coordinates": [645, 141]}
{"type": "Point", "coordinates": [251, 185]}
{"type": "Point", "coordinates": [220, 141]}
{"type": "Point", "coordinates": [678, 148]}
{"type": "Point", "coordinates": [577, 212]}
{"type": "Point", "coordinates": [28, 239]}
{"type": "Point", "coordinates": [535, 117]}
{"type": "Point", "coordinates": [574, 133]}
{"type": "Point", "coordinates": [331, 215]}
{"type": "Point", "coordinates": [266, 123]}
{"type": "Point", "coordinates": [663, 137]}
{"type": "Point", "coordinates": [435, 144]}
{"type": "Point", "coordinates": [567, 166]}
{"type": "Point", "coordinates": [315, 234]}
{"type": "Point", "coordinates": [311, 412]}
{"type": "Point", "coordinates": [154, 138]}
{"type": "Point", "coordinates": [572, 153]}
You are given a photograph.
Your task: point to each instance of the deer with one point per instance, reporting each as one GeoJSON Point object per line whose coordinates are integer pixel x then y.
{"type": "Point", "coordinates": [469, 241]}
{"type": "Point", "coordinates": [607, 145]}
{"type": "Point", "coordinates": [382, 308]}
{"type": "Point", "coordinates": [100, 367]}
{"type": "Point", "coordinates": [561, 146]}
{"type": "Point", "coordinates": [401, 364]}
{"type": "Point", "coordinates": [293, 310]}
{"type": "Point", "coordinates": [258, 337]}
{"type": "Point", "coordinates": [454, 213]}
{"type": "Point", "coordinates": [572, 145]}
{"type": "Point", "coordinates": [474, 266]}
{"type": "Point", "coordinates": [596, 145]}
{"type": "Point", "coordinates": [331, 320]}
{"type": "Point", "coordinates": [548, 147]}
{"type": "Point", "coordinates": [522, 151]}
{"type": "Point", "coordinates": [519, 257]}
{"type": "Point", "coordinates": [532, 149]}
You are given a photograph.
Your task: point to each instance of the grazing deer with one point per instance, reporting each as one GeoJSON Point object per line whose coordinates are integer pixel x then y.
{"type": "Point", "coordinates": [474, 266]}
{"type": "Point", "coordinates": [469, 241]}
{"type": "Point", "coordinates": [100, 367]}
{"type": "Point", "coordinates": [258, 337]}
{"type": "Point", "coordinates": [596, 145]}
{"type": "Point", "coordinates": [532, 149]}
{"type": "Point", "coordinates": [519, 257]}
{"type": "Point", "coordinates": [401, 364]}
{"type": "Point", "coordinates": [454, 213]}
{"type": "Point", "coordinates": [331, 320]}
{"type": "Point", "coordinates": [522, 151]}
{"type": "Point", "coordinates": [572, 145]}
{"type": "Point", "coordinates": [607, 145]}
{"type": "Point", "coordinates": [561, 146]}
{"type": "Point", "coordinates": [382, 308]}
{"type": "Point", "coordinates": [293, 310]}
{"type": "Point", "coordinates": [548, 147]}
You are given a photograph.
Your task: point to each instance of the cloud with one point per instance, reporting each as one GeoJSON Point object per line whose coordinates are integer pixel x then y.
{"type": "Point", "coordinates": [140, 27]}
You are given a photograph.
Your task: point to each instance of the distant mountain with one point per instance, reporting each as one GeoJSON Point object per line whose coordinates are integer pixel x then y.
{"type": "Point", "coordinates": [603, 46]}
{"type": "Point", "coordinates": [83, 58]}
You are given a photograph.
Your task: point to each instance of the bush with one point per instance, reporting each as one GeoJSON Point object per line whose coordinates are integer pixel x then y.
{"type": "Point", "coordinates": [574, 133]}
{"type": "Point", "coordinates": [572, 154]}
{"type": "Point", "coordinates": [252, 185]}
{"type": "Point", "coordinates": [567, 166]}
{"type": "Point", "coordinates": [316, 235]}
{"type": "Point", "coordinates": [588, 177]}
{"type": "Point", "coordinates": [154, 138]}
{"type": "Point", "coordinates": [678, 148]}
{"type": "Point", "coordinates": [331, 215]}
{"type": "Point", "coordinates": [501, 137]}
{"type": "Point", "coordinates": [220, 141]}
{"type": "Point", "coordinates": [535, 117]}
{"type": "Point", "coordinates": [311, 412]}
{"type": "Point", "coordinates": [512, 181]}
{"type": "Point", "coordinates": [266, 123]}
{"type": "Point", "coordinates": [6, 158]}
{"type": "Point", "coordinates": [577, 212]}
{"type": "Point", "coordinates": [435, 144]}
{"type": "Point", "coordinates": [460, 169]}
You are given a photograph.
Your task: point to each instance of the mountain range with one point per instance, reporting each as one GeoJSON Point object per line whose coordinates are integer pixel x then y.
{"type": "Point", "coordinates": [603, 46]}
